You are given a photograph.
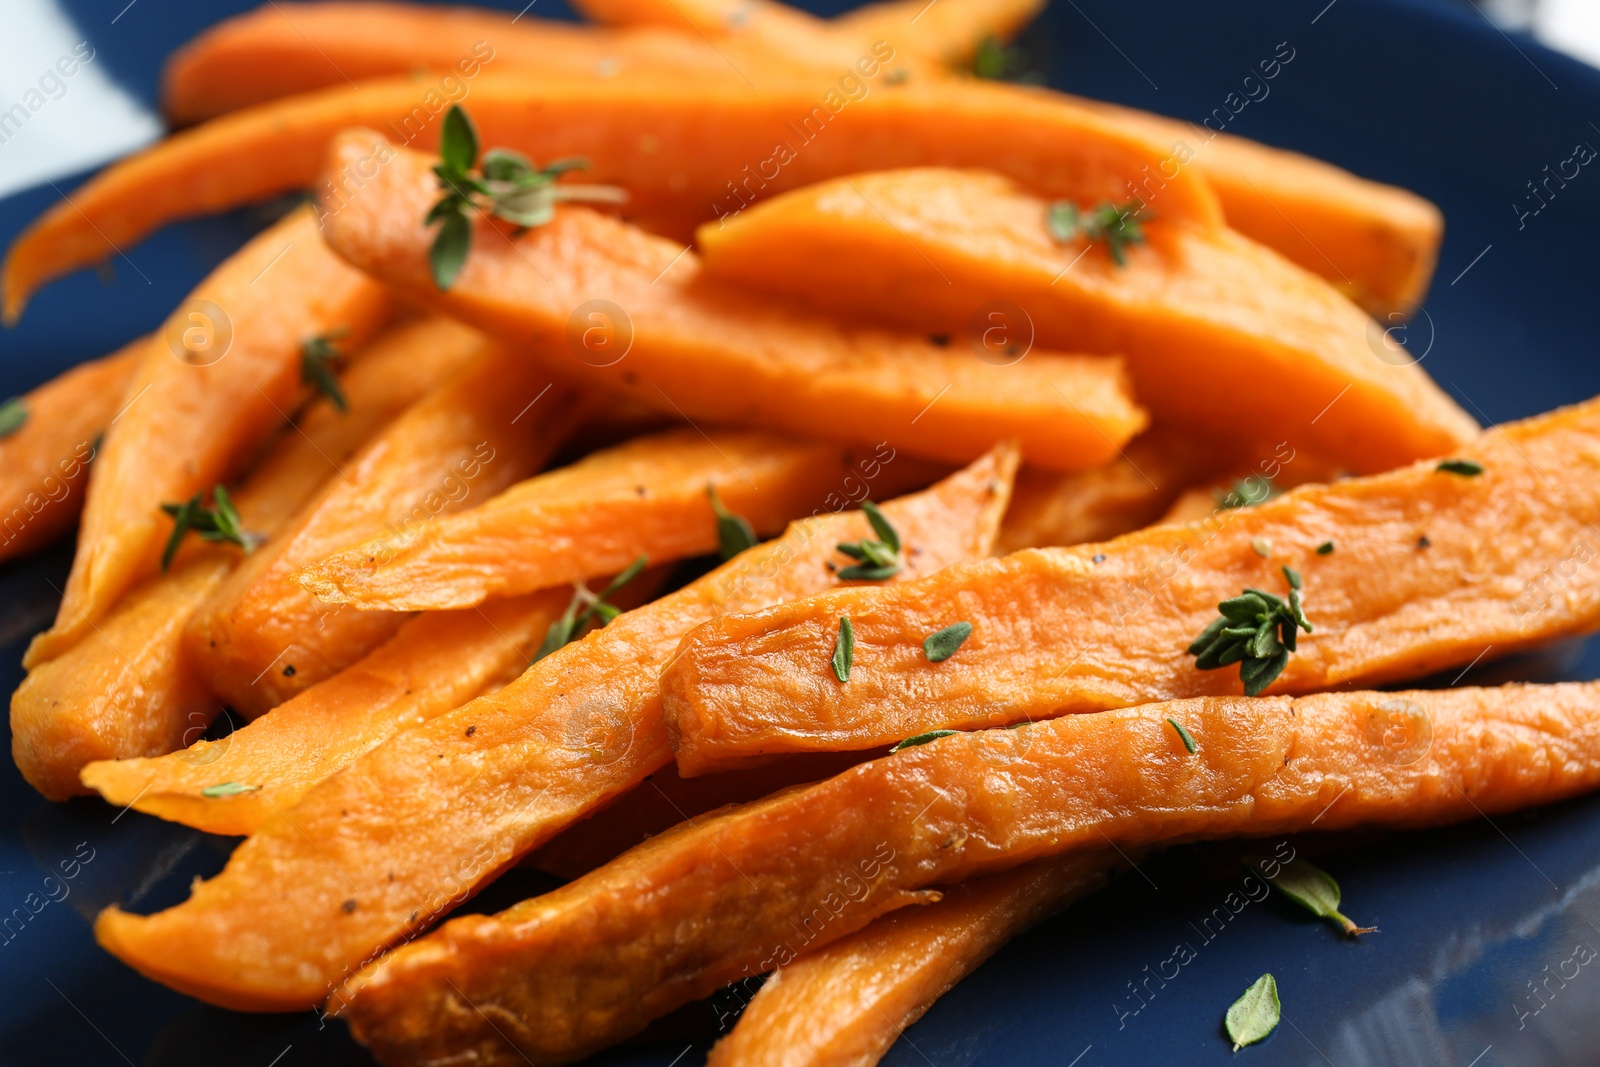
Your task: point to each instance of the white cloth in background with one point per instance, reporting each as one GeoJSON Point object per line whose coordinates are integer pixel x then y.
{"type": "Point", "coordinates": [59, 109]}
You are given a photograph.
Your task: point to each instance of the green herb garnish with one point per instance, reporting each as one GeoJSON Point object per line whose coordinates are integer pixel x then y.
{"type": "Point", "coordinates": [1326, 548]}
{"type": "Point", "coordinates": [844, 649]}
{"type": "Point", "coordinates": [218, 523]}
{"type": "Point", "coordinates": [1184, 735]}
{"type": "Point", "coordinates": [1315, 890]}
{"type": "Point", "coordinates": [942, 644]}
{"type": "Point", "coordinates": [1254, 1015]}
{"type": "Point", "coordinates": [879, 557]}
{"type": "Point", "coordinates": [922, 739]}
{"type": "Point", "coordinates": [1247, 492]}
{"type": "Point", "coordinates": [508, 186]}
{"type": "Point", "coordinates": [1115, 227]}
{"type": "Point", "coordinates": [228, 789]}
{"type": "Point", "coordinates": [318, 360]}
{"type": "Point", "coordinates": [586, 607]}
{"type": "Point", "coordinates": [13, 413]}
{"type": "Point", "coordinates": [734, 532]}
{"type": "Point", "coordinates": [1257, 630]}
{"type": "Point", "coordinates": [1464, 467]}
{"type": "Point", "coordinates": [995, 60]}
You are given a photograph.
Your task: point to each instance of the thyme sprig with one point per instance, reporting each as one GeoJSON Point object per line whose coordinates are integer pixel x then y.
{"type": "Point", "coordinates": [507, 186]}
{"type": "Point", "coordinates": [1106, 223]}
{"type": "Point", "coordinates": [878, 557]}
{"type": "Point", "coordinates": [1256, 630]}
{"type": "Point", "coordinates": [587, 607]}
{"type": "Point", "coordinates": [734, 532]}
{"type": "Point", "coordinates": [217, 523]}
{"type": "Point", "coordinates": [319, 359]}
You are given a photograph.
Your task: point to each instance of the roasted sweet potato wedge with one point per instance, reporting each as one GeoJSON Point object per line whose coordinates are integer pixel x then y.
{"type": "Point", "coordinates": [434, 662]}
{"type": "Point", "coordinates": [127, 689]}
{"type": "Point", "coordinates": [674, 143]}
{"type": "Point", "coordinates": [647, 497]}
{"type": "Point", "coordinates": [1377, 243]}
{"type": "Point", "coordinates": [259, 638]}
{"type": "Point", "coordinates": [1207, 322]}
{"type": "Point", "coordinates": [223, 372]}
{"type": "Point", "coordinates": [594, 296]}
{"type": "Point", "coordinates": [364, 860]}
{"type": "Point", "coordinates": [845, 1004]}
{"type": "Point", "coordinates": [1135, 489]}
{"type": "Point", "coordinates": [280, 50]}
{"type": "Point", "coordinates": [1423, 574]}
{"type": "Point", "coordinates": [949, 33]}
{"type": "Point", "coordinates": [564, 974]}
{"type": "Point", "coordinates": [663, 800]}
{"type": "Point", "coordinates": [44, 461]}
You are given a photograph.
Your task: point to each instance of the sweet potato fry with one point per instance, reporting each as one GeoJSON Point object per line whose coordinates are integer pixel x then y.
{"type": "Point", "coordinates": [365, 860]}
{"type": "Point", "coordinates": [647, 497]}
{"type": "Point", "coordinates": [127, 689]}
{"type": "Point", "coordinates": [44, 461]}
{"type": "Point", "coordinates": [845, 1004]}
{"type": "Point", "coordinates": [434, 662]}
{"type": "Point", "coordinates": [673, 143]}
{"type": "Point", "coordinates": [713, 18]}
{"type": "Point", "coordinates": [569, 972]}
{"type": "Point", "coordinates": [1132, 491]}
{"type": "Point", "coordinates": [947, 32]}
{"type": "Point", "coordinates": [279, 50]}
{"type": "Point", "coordinates": [1207, 321]}
{"type": "Point", "coordinates": [774, 365]}
{"type": "Point", "coordinates": [1376, 242]}
{"type": "Point", "coordinates": [221, 374]}
{"type": "Point", "coordinates": [1107, 625]}
{"type": "Point", "coordinates": [259, 638]}
{"type": "Point", "coordinates": [663, 800]}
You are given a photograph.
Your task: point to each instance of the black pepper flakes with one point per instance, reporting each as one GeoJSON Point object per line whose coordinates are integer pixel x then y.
{"type": "Point", "coordinates": [348, 906]}
{"type": "Point", "coordinates": [472, 730]}
{"type": "Point", "coordinates": [1423, 542]}
{"type": "Point", "coordinates": [288, 670]}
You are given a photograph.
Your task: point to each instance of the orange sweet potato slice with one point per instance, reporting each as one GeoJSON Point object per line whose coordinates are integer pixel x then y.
{"type": "Point", "coordinates": [1132, 491]}
{"type": "Point", "coordinates": [221, 374]}
{"type": "Point", "coordinates": [259, 638]}
{"type": "Point", "coordinates": [435, 662]}
{"type": "Point", "coordinates": [663, 800]}
{"type": "Point", "coordinates": [43, 462]}
{"type": "Point", "coordinates": [647, 497]}
{"type": "Point", "coordinates": [365, 860]}
{"type": "Point", "coordinates": [1424, 574]}
{"type": "Point", "coordinates": [648, 133]}
{"type": "Point", "coordinates": [763, 19]}
{"type": "Point", "coordinates": [280, 50]}
{"type": "Point", "coordinates": [949, 33]}
{"type": "Point", "coordinates": [1377, 243]}
{"type": "Point", "coordinates": [665, 333]}
{"type": "Point", "coordinates": [564, 974]}
{"type": "Point", "coordinates": [127, 689]}
{"type": "Point", "coordinates": [845, 1004]}
{"type": "Point", "coordinates": [1209, 323]}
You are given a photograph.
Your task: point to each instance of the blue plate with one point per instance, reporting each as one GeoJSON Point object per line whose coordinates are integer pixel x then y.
{"type": "Point", "coordinates": [1488, 947]}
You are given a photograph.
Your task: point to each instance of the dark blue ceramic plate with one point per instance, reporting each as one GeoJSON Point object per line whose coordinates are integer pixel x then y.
{"type": "Point", "coordinates": [1476, 920]}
